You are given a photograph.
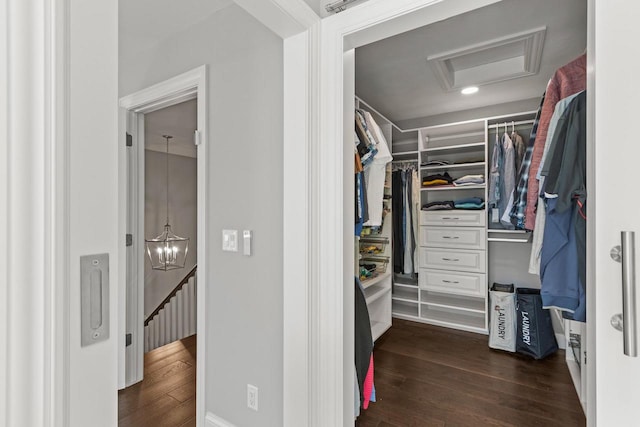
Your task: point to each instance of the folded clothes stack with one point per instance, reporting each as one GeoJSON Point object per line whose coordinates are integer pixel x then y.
{"type": "Point", "coordinates": [439, 206]}
{"type": "Point", "coordinates": [436, 163]}
{"type": "Point", "coordinates": [471, 203]}
{"type": "Point", "coordinates": [437, 179]}
{"type": "Point", "coordinates": [469, 180]}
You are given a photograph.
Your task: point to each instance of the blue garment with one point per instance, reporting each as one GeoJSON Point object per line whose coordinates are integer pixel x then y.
{"type": "Point", "coordinates": [360, 206]}
{"type": "Point", "coordinates": [561, 286]}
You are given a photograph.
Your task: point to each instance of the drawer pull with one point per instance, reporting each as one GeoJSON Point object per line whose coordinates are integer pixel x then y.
{"type": "Point", "coordinates": [451, 259]}
{"type": "Point", "coordinates": [450, 237]}
{"type": "Point", "coordinates": [449, 218]}
{"type": "Point", "coordinates": [455, 282]}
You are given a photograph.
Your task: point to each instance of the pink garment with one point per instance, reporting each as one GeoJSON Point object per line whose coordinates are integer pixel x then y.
{"type": "Point", "coordinates": [368, 384]}
{"type": "Point", "coordinates": [567, 80]}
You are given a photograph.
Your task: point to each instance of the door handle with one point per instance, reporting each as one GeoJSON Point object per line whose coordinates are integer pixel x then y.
{"type": "Point", "coordinates": [626, 255]}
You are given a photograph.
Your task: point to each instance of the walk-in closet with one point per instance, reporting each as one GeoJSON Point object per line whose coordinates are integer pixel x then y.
{"type": "Point", "coordinates": [470, 175]}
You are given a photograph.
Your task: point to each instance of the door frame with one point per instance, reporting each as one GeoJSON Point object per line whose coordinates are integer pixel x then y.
{"type": "Point", "coordinates": [327, 365]}
{"type": "Point", "coordinates": [186, 86]}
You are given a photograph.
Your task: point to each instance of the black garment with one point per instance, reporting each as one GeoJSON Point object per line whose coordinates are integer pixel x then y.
{"type": "Point", "coordinates": [397, 207]}
{"type": "Point", "coordinates": [409, 217]}
{"type": "Point", "coordinates": [363, 339]}
{"type": "Point", "coordinates": [436, 206]}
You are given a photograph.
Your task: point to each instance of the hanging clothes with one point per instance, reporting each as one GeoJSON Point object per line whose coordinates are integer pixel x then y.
{"type": "Point", "coordinates": [507, 179]}
{"type": "Point", "coordinates": [519, 205]}
{"type": "Point", "coordinates": [397, 203]}
{"type": "Point", "coordinates": [363, 347]}
{"type": "Point", "coordinates": [405, 207]}
{"type": "Point", "coordinates": [365, 143]}
{"type": "Point", "coordinates": [502, 179]}
{"type": "Point", "coordinates": [541, 215]}
{"type": "Point", "coordinates": [520, 148]}
{"type": "Point", "coordinates": [567, 80]}
{"type": "Point", "coordinates": [375, 172]}
{"type": "Point", "coordinates": [415, 213]}
{"type": "Point", "coordinates": [566, 194]}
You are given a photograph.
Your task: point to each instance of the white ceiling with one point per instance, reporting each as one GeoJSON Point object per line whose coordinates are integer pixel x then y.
{"type": "Point", "coordinates": [179, 121]}
{"type": "Point", "coordinates": [143, 23]}
{"type": "Point", "coordinates": [394, 76]}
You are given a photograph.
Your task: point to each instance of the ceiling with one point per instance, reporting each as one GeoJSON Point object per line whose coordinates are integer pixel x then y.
{"type": "Point", "coordinates": [395, 76]}
{"type": "Point", "coordinates": [143, 23]}
{"type": "Point", "coordinates": [179, 121]}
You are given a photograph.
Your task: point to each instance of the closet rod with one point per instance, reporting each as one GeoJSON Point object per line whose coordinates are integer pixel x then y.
{"type": "Point", "coordinates": [511, 123]}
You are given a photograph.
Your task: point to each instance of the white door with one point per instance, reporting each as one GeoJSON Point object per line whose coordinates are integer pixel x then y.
{"type": "Point", "coordinates": [614, 205]}
{"type": "Point", "coordinates": [95, 225]}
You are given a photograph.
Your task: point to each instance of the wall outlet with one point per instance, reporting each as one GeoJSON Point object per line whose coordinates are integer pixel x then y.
{"type": "Point", "coordinates": [252, 397]}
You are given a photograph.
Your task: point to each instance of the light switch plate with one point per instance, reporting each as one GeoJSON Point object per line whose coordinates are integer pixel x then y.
{"type": "Point", "coordinates": [230, 240]}
{"type": "Point", "coordinates": [246, 247]}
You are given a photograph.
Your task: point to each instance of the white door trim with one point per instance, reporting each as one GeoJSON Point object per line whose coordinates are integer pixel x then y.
{"type": "Point", "coordinates": [178, 89]}
{"type": "Point", "coordinates": [34, 251]}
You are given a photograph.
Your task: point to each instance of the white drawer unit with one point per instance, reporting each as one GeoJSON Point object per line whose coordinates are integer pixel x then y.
{"type": "Point", "coordinates": [453, 259]}
{"type": "Point", "coordinates": [454, 217]}
{"type": "Point", "coordinates": [467, 284]}
{"type": "Point", "coordinates": [459, 237]}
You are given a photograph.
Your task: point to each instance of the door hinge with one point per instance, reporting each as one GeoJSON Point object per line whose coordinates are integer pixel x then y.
{"type": "Point", "coordinates": [128, 339]}
{"type": "Point", "coordinates": [196, 137]}
{"type": "Point", "coordinates": [129, 239]}
{"type": "Point", "coordinates": [129, 140]}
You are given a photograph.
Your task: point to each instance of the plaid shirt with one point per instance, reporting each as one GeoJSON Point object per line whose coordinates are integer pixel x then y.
{"type": "Point", "coordinates": [520, 197]}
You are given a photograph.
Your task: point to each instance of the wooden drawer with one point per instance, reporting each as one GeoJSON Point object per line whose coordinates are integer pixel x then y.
{"type": "Point", "coordinates": [459, 237]}
{"type": "Point", "coordinates": [468, 284]}
{"type": "Point", "coordinates": [454, 217]}
{"type": "Point", "coordinates": [453, 259]}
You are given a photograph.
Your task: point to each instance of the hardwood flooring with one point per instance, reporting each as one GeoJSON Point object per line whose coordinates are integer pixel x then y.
{"type": "Point", "coordinates": [431, 376]}
{"type": "Point", "coordinates": [167, 395]}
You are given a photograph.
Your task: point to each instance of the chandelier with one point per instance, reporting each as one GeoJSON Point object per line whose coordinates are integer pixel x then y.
{"type": "Point", "coordinates": [168, 251]}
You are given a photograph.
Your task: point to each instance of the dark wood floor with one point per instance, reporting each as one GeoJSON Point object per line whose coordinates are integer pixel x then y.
{"type": "Point", "coordinates": [430, 376]}
{"type": "Point", "coordinates": [167, 395]}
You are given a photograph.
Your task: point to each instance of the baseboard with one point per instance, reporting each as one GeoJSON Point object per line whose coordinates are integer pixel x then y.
{"type": "Point", "coordinates": [212, 420]}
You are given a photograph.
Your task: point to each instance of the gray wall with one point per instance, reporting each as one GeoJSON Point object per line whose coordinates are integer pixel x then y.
{"type": "Point", "coordinates": [244, 306]}
{"type": "Point", "coordinates": [182, 217]}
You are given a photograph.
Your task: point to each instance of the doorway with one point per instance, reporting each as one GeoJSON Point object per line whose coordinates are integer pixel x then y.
{"type": "Point", "coordinates": [169, 257]}
{"type": "Point", "coordinates": [165, 204]}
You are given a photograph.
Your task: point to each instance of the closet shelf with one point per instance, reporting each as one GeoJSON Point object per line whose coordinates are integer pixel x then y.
{"type": "Point", "coordinates": [413, 301]}
{"type": "Point", "coordinates": [455, 136]}
{"type": "Point", "coordinates": [471, 305]}
{"type": "Point", "coordinates": [406, 285]}
{"type": "Point", "coordinates": [454, 166]}
{"type": "Point", "coordinates": [453, 187]}
{"type": "Point", "coordinates": [377, 294]}
{"type": "Point", "coordinates": [499, 230]}
{"type": "Point", "coordinates": [404, 153]}
{"type": "Point", "coordinates": [508, 239]}
{"type": "Point", "coordinates": [379, 328]}
{"type": "Point", "coordinates": [469, 321]}
{"type": "Point", "coordinates": [458, 147]}
{"type": "Point", "coordinates": [374, 280]}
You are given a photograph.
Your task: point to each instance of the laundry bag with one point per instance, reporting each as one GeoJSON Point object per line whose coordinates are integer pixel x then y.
{"type": "Point", "coordinates": [502, 331]}
{"type": "Point", "coordinates": [535, 336]}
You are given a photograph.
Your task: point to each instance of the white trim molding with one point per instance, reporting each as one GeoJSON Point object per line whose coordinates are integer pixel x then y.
{"type": "Point", "coordinates": [213, 420]}
{"type": "Point", "coordinates": [189, 85]}
{"type": "Point", "coordinates": [331, 372]}
{"type": "Point", "coordinates": [34, 250]}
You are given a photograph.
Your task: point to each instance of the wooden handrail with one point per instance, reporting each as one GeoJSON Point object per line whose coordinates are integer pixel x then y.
{"type": "Point", "coordinates": [172, 294]}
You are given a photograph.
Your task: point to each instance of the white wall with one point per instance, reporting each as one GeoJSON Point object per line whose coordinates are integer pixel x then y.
{"type": "Point", "coordinates": [244, 316]}
{"type": "Point", "coordinates": [182, 217]}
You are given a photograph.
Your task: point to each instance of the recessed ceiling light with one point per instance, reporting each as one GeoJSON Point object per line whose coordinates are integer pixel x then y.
{"type": "Point", "coordinates": [469, 90]}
